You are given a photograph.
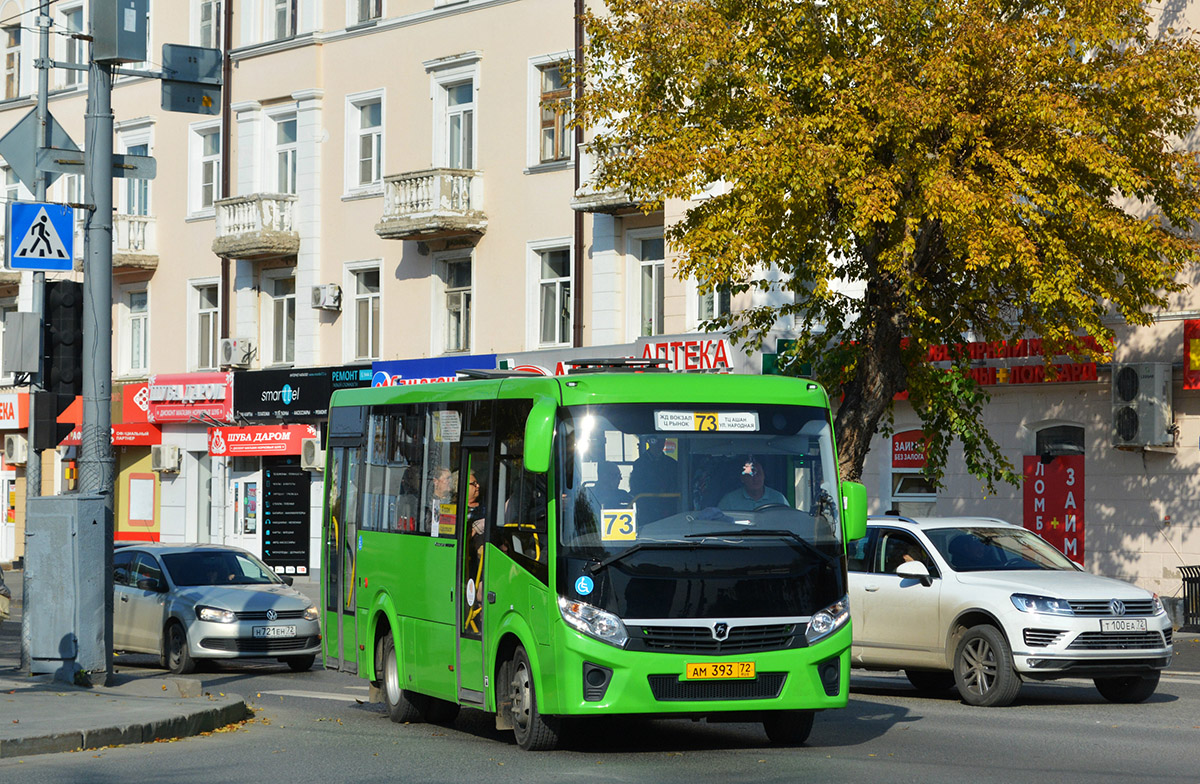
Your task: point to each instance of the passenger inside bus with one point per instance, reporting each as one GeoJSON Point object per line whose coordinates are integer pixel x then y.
{"type": "Point", "coordinates": [653, 482]}
{"type": "Point", "coordinates": [606, 490]}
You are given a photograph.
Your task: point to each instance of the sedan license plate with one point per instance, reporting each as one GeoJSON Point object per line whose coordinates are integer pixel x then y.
{"type": "Point", "coordinates": [274, 631]}
{"type": "Point", "coordinates": [711, 670]}
{"type": "Point", "coordinates": [1118, 625]}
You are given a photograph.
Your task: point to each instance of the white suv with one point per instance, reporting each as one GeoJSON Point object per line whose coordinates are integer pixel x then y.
{"type": "Point", "coordinates": [982, 604]}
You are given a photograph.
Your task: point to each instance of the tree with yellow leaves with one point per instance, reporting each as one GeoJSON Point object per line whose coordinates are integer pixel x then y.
{"type": "Point", "coordinates": [920, 171]}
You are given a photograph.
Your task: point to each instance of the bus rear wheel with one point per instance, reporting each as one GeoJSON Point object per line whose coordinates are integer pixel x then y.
{"type": "Point", "coordinates": [532, 730]}
{"type": "Point", "coordinates": [789, 728]}
{"type": "Point", "coordinates": [403, 705]}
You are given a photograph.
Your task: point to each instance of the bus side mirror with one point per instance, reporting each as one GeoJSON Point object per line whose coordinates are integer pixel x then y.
{"type": "Point", "coordinates": [854, 510]}
{"type": "Point", "coordinates": [539, 435]}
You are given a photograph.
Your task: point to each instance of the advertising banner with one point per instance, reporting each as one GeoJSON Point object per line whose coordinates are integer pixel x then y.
{"type": "Point", "coordinates": [397, 372]}
{"type": "Point", "coordinates": [299, 394]}
{"type": "Point", "coordinates": [258, 440]}
{"type": "Point", "coordinates": [908, 449]}
{"type": "Point", "coordinates": [14, 411]}
{"type": "Point", "coordinates": [123, 434]}
{"type": "Point", "coordinates": [1054, 502]}
{"type": "Point", "coordinates": [286, 495]}
{"type": "Point", "coordinates": [182, 397]}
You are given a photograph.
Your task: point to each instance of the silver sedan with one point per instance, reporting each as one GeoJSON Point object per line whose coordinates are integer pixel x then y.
{"type": "Point", "coordinates": [189, 602]}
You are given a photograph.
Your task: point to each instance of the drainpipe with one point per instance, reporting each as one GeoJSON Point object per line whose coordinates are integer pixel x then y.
{"type": "Point", "coordinates": [577, 274]}
{"type": "Point", "coordinates": [226, 130]}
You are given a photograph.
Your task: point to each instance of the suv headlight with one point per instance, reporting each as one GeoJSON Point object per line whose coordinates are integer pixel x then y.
{"type": "Point", "coordinates": [593, 621]}
{"type": "Point", "coordinates": [216, 615]}
{"type": "Point", "coordinates": [1158, 606]}
{"type": "Point", "coordinates": [1041, 604]}
{"type": "Point", "coordinates": [828, 621]}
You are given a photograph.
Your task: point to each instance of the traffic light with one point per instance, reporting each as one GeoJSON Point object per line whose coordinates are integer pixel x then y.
{"type": "Point", "coordinates": [62, 365]}
{"type": "Point", "coordinates": [44, 408]}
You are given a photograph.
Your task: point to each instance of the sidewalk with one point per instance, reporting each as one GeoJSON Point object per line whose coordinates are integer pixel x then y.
{"type": "Point", "coordinates": [39, 715]}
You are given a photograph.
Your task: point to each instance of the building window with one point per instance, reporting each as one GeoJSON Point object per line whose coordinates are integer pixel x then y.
{"type": "Point", "coordinates": [12, 185]}
{"type": "Point", "coordinates": [206, 150]}
{"type": "Point", "coordinates": [284, 18]}
{"type": "Point", "coordinates": [460, 125]}
{"type": "Point", "coordinates": [283, 320]}
{"type": "Point", "coordinates": [368, 137]}
{"type": "Point", "coordinates": [555, 297]}
{"type": "Point", "coordinates": [368, 10]}
{"type": "Point", "coordinates": [651, 269]}
{"type": "Point", "coordinates": [137, 331]}
{"type": "Point", "coordinates": [207, 300]}
{"type": "Point", "coordinates": [285, 155]}
{"type": "Point", "coordinates": [555, 92]}
{"type": "Point", "coordinates": [12, 61]}
{"type": "Point", "coordinates": [458, 305]}
{"type": "Point", "coordinates": [366, 314]}
{"type": "Point", "coordinates": [210, 24]}
{"type": "Point", "coordinates": [715, 304]}
{"type": "Point", "coordinates": [137, 191]}
{"type": "Point", "coordinates": [74, 54]}
{"type": "Point", "coordinates": [1058, 440]}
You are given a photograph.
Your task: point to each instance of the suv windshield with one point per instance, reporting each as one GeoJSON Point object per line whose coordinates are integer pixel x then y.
{"type": "Point", "coordinates": [988, 549]}
{"type": "Point", "coordinates": [218, 567]}
{"type": "Point", "coordinates": [694, 510]}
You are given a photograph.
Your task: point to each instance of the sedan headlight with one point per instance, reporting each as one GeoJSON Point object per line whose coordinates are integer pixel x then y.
{"type": "Point", "coordinates": [311, 613]}
{"type": "Point", "coordinates": [1041, 604]}
{"type": "Point", "coordinates": [216, 615]}
{"type": "Point", "coordinates": [593, 621]}
{"type": "Point", "coordinates": [828, 621]}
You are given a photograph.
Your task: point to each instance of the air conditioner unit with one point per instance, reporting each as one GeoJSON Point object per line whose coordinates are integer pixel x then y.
{"type": "Point", "coordinates": [1142, 413]}
{"type": "Point", "coordinates": [16, 449]}
{"type": "Point", "coordinates": [236, 353]}
{"type": "Point", "coordinates": [312, 456]}
{"type": "Point", "coordinates": [164, 457]}
{"type": "Point", "coordinates": [327, 296]}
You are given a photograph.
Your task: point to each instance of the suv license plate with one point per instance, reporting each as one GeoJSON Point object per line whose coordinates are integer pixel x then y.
{"type": "Point", "coordinates": [709, 670]}
{"type": "Point", "coordinates": [1117, 625]}
{"type": "Point", "coordinates": [274, 631]}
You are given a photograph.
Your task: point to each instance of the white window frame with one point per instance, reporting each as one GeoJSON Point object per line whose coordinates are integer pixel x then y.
{"type": "Point", "coordinates": [445, 74]}
{"type": "Point", "coordinates": [72, 50]}
{"type": "Point", "coordinates": [271, 9]}
{"type": "Point", "coordinates": [279, 151]}
{"type": "Point", "coordinates": [195, 324]}
{"type": "Point", "coordinates": [275, 345]}
{"type": "Point", "coordinates": [350, 298]}
{"type": "Point", "coordinates": [127, 318]}
{"type": "Point", "coordinates": [533, 336]}
{"type": "Point", "coordinates": [441, 289]}
{"type": "Point", "coordinates": [633, 278]}
{"type": "Point", "coordinates": [354, 103]}
{"type": "Point", "coordinates": [354, 15]}
{"type": "Point", "coordinates": [127, 139]}
{"type": "Point", "coordinates": [695, 304]}
{"type": "Point", "coordinates": [196, 161]}
{"type": "Point", "coordinates": [533, 147]}
{"type": "Point", "coordinates": [13, 61]}
{"type": "Point", "coordinates": [216, 41]}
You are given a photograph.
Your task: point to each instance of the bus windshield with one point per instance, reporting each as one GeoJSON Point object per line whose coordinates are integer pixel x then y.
{"type": "Point", "coordinates": [700, 510]}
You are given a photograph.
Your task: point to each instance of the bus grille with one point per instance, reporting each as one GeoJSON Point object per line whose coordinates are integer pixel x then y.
{"type": "Point", "coordinates": [1099, 641]}
{"type": "Point", "coordinates": [668, 688]}
{"type": "Point", "coordinates": [699, 639]}
{"type": "Point", "coordinates": [265, 647]}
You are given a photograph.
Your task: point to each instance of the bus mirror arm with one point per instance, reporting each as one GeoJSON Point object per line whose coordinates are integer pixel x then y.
{"type": "Point", "coordinates": [539, 435]}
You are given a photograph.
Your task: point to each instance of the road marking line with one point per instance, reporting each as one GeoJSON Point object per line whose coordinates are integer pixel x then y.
{"type": "Point", "coordinates": [313, 695]}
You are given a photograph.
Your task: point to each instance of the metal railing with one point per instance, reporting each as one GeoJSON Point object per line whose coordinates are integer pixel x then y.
{"type": "Point", "coordinates": [1191, 598]}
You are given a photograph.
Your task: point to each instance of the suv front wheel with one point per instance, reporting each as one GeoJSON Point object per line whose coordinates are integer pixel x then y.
{"type": "Point", "coordinates": [983, 668]}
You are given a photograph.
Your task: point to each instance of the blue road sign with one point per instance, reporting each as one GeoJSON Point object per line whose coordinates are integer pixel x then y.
{"type": "Point", "coordinates": [40, 237]}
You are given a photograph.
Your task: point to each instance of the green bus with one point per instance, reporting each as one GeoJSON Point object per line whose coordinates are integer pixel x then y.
{"type": "Point", "coordinates": [612, 542]}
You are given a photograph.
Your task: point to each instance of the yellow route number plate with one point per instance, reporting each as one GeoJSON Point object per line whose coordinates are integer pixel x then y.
{"type": "Point", "coordinates": [718, 670]}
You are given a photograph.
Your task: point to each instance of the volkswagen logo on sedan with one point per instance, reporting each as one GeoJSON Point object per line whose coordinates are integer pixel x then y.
{"type": "Point", "coordinates": [1117, 606]}
{"type": "Point", "coordinates": [272, 615]}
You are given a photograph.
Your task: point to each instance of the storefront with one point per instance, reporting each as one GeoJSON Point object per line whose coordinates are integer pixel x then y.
{"type": "Point", "coordinates": [14, 421]}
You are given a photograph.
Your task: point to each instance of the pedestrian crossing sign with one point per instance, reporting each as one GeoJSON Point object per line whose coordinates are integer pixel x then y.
{"type": "Point", "coordinates": [41, 237]}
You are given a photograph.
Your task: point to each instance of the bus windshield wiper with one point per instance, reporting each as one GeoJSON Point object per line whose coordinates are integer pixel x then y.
{"type": "Point", "coordinates": [596, 566]}
{"type": "Point", "coordinates": [780, 532]}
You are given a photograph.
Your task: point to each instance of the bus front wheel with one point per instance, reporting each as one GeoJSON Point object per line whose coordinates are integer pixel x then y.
{"type": "Point", "coordinates": [403, 705]}
{"type": "Point", "coordinates": [789, 728]}
{"type": "Point", "coordinates": [533, 731]}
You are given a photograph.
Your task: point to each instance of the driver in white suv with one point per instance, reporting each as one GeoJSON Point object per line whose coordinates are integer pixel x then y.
{"type": "Point", "coordinates": [982, 605]}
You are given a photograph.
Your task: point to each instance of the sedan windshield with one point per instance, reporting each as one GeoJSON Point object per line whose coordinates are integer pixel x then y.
{"type": "Point", "coordinates": [990, 549]}
{"type": "Point", "coordinates": [218, 567]}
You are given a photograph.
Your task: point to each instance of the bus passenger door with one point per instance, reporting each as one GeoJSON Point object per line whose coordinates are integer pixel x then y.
{"type": "Point", "coordinates": [341, 543]}
{"type": "Point", "coordinates": [473, 513]}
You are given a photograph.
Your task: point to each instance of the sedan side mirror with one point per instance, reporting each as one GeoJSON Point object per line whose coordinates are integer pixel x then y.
{"type": "Point", "coordinates": [151, 584]}
{"type": "Point", "coordinates": [915, 570]}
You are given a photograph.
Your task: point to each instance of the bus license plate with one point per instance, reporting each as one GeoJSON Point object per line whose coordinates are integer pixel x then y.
{"type": "Point", "coordinates": [1123, 625]}
{"type": "Point", "coordinates": [710, 670]}
{"type": "Point", "coordinates": [274, 631]}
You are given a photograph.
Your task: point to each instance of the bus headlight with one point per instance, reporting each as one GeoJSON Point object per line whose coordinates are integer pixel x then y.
{"type": "Point", "coordinates": [828, 621]}
{"type": "Point", "coordinates": [593, 621]}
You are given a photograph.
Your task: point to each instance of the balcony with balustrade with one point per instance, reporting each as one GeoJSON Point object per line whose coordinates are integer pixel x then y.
{"type": "Point", "coordinates": [135, 243]}
{"type": "Point", "coordinates": [257, 226]}
{"type": "Point", "coordinates": [591, 198]}
{"type": "Point", "coordinates": [435, 204]}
